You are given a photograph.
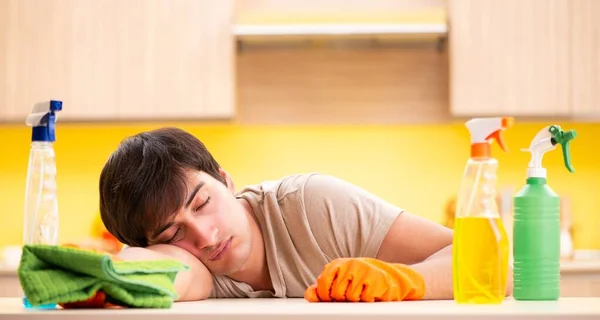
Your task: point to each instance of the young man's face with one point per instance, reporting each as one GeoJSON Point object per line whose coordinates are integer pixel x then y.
{"type": "Point", "coordinates": [212, 225]}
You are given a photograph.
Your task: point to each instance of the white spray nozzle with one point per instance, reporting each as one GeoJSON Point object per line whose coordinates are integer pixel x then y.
{"type": "Point", "coordinates": [546, 140]}
{"type": "Point", "coordinates": [484, 130]}
{"type": "Point", "coordinates": [540, 144]}
{"type": "Point", "coordinates": [39, 112]}
{"type": "Point", "coordinates": [43, 120]}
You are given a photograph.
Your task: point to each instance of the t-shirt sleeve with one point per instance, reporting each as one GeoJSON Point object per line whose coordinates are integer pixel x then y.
{"type": "Point", "coordinates": [346, 220]}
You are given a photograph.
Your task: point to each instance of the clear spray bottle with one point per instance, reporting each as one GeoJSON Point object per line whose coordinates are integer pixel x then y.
{"type": "Point", "coordinates": [41, 205]}
{"type": "Point", "coordinates": [480, 245]}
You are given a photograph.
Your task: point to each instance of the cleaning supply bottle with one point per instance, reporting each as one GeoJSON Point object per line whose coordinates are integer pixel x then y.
{"type": "Point", "coordinates": [41, 206]}
{"type": "Point", "coordinates": [480, 244]}
{"type": "Point", "coordinates": [536, 224]}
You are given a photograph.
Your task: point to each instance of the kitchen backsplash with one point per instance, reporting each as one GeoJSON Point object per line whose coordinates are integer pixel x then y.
{"type": "Point", "coordinates": [417, 167]}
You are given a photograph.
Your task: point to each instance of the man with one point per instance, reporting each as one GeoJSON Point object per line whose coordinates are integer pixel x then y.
{"type": "Point", "coordinates": [165, 196]}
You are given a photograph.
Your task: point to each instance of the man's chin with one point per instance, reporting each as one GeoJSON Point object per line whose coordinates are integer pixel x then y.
{"type": "Point", "coordinates": [218, 268]}
{"type": "Point", "coordinates": [224, 268]}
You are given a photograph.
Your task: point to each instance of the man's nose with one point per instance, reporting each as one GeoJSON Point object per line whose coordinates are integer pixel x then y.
{"type": "Point", "coordinates": [205, 234]}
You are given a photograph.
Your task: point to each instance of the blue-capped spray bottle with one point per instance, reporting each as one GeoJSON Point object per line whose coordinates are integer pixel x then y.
{"type": "Point", "coordinates": [41, 205]}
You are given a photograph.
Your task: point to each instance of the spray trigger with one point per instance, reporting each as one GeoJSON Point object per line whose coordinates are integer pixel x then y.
{"type": "Point", "coordinates": [564, 139]}
{"type": "Point", "coordinates": [498, 137]}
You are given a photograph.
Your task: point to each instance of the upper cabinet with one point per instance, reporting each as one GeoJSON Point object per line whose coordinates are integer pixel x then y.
{"type": "Point", "coordinates": [275, 20]}
{"type": "Point", "coordinates": [118, 60]}
{"type": "Point", "coordinates": [524, 57]}
{"type": "Point", "coordinates": [585, 58]}
{"type": "Point", "coordinates": [509, 57]}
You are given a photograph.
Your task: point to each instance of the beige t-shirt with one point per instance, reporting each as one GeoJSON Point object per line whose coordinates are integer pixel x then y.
{"type": "Point", "coordinates": [307, 220]}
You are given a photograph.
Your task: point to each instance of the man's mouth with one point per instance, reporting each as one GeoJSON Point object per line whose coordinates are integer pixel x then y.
{"type": "Point", "coordinates": [219, 252]}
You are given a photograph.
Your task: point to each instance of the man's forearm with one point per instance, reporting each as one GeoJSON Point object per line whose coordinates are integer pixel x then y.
{"type": "Point", "coordinates": [190, 285]}
{"type": "Point", "coordinates": [437, 272]}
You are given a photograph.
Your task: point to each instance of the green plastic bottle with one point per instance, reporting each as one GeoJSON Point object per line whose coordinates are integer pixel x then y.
{"type": "Point", "coordinates": [536, 223]}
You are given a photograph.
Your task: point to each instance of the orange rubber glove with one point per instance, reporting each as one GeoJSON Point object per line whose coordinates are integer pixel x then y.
{"type": "Point", "coordinates": [99, 299]}
{"type": "Point", "coordinates": [366, 280]}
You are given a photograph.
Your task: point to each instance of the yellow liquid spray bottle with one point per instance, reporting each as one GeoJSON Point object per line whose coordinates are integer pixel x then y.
{"type": "Point", "coordinates": [480, 245]}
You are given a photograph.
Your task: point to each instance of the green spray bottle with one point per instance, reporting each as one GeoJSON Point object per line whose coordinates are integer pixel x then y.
{"type": "Point", "coordinates": [536, 223]}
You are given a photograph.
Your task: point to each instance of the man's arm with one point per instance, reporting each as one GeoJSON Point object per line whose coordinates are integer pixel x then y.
{"type": "Point", "coordinates": [193, 284]}
{"type": "Point", "coordinates": [437, 272]}
{"type": "Point", "coordinates": [427, 247]}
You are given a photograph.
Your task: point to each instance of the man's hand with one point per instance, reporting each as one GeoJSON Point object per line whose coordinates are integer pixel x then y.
{"type": "Point", "coordinates": [366, 280]}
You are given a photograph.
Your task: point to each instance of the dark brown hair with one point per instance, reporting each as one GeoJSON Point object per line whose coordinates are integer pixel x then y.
{"type": "Point", "coordinates": [143, 182]}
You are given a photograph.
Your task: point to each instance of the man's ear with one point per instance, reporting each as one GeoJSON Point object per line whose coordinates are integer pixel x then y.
{"type": "Point", "coordinates": [228, 180]}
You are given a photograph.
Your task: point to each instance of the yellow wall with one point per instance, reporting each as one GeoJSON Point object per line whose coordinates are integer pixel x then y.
{"type": "Point", "coordinates": [416, 167]}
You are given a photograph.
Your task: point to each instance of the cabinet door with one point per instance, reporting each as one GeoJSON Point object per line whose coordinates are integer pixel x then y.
{"type": "Point", "coordinates": [509, 57]}
{"type": "Point", "coordinates": [585, 57]}
{"type": "Point", "coordinates": [117, 60]}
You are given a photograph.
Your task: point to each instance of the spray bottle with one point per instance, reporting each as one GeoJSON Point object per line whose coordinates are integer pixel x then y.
{"type": "Point", "coordinates": [41, 206]}
{"type": "Point", "coordinates": [480, 245]}
{"type": "Point", "coordinates": [536, 225]}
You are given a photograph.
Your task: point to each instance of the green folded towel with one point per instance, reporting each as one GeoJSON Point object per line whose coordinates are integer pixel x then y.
{"type": "Point", "coordinates": [57, 274]}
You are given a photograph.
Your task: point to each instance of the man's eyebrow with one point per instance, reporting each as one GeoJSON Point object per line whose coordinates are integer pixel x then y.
{"type": "Point", "coordinates": [193, 194]}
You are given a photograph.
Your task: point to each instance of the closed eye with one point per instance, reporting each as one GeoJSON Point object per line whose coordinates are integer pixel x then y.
{"type": "Point", "coordinates": [204, 204]}
{"type": "Point", "coordinates": [173, 238]}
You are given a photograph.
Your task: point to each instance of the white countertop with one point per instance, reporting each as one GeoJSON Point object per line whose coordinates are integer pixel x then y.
{"type": "Point", "coordinates": [579, 266]}
{"type": "Point", "coordinates": [300, 309]}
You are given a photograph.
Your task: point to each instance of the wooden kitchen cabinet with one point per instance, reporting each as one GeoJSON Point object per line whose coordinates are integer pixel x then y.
{"type": "Point", "coordinates": [117, 60]}
{"type": "Point", "coordinates": [512, 57]}
{"type": "Point", "coordinates": [585, 58]}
